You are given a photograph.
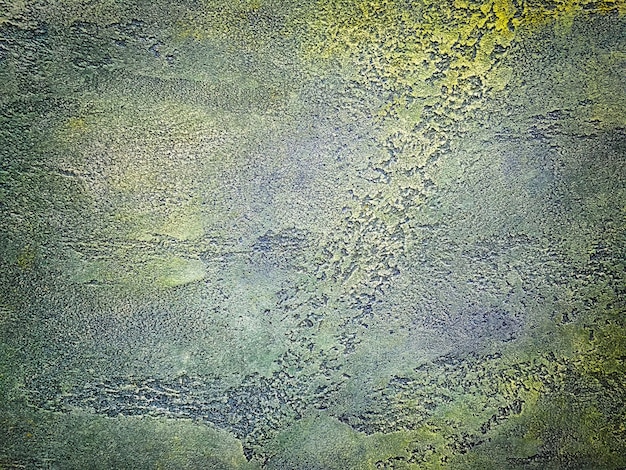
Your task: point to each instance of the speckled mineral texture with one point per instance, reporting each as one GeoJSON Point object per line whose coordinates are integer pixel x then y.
{"type": "Point", "coordinates": [328, 234]}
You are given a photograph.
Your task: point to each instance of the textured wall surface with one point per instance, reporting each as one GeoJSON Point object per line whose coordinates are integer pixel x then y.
{"type": "Point", "coordinates": [328, 234]}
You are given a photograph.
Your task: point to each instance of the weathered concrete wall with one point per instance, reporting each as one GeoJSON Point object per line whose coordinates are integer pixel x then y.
{"type": "Point", "coordinates": [340, 234]}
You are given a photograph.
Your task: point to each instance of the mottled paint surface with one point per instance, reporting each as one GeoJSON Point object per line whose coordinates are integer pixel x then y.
{"type": "Point", "coordinates": [339, 234]}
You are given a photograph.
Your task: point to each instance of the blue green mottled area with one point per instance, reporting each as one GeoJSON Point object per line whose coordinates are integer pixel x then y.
{"type": "Point", "coordinates": [343, 234]}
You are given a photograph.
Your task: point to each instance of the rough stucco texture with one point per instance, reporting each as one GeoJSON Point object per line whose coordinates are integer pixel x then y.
{"type": "Point", "coordinates": [338, 234]}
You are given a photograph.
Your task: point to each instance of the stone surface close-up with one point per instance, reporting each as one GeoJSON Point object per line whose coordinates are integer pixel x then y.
{"type": "Point", "coordinates": [310, 235]}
